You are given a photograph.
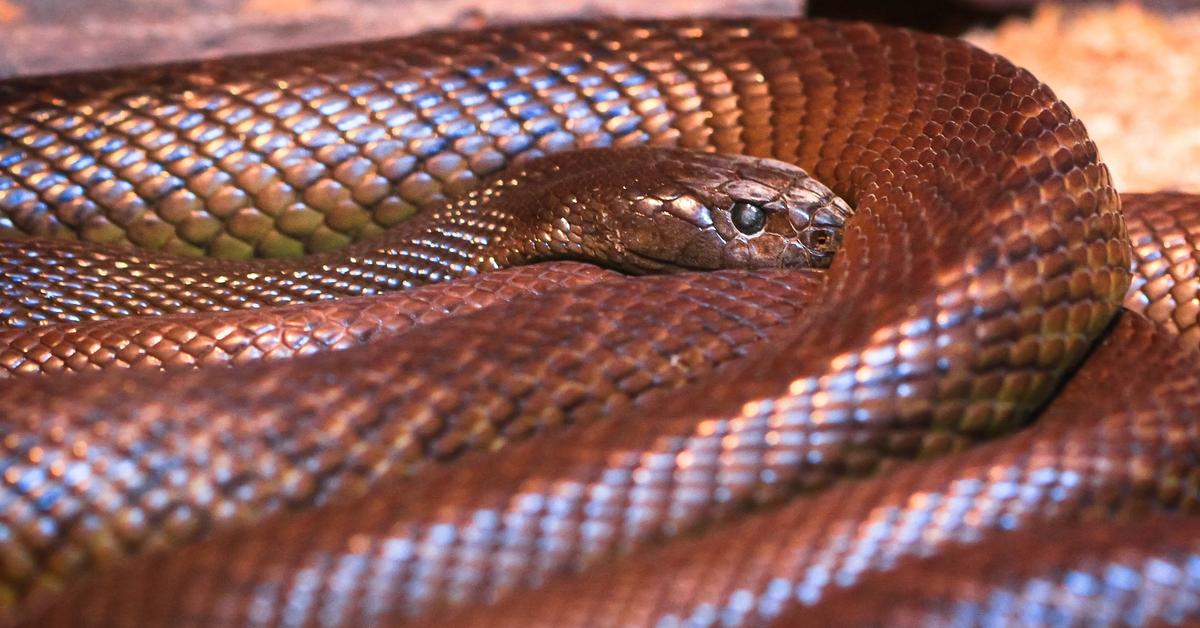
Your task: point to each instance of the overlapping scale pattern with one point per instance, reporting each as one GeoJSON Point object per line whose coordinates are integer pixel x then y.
{"type": "Point", "coordinates": [985, 258]}
{"type": "Point", "coordinates": [238, 336]}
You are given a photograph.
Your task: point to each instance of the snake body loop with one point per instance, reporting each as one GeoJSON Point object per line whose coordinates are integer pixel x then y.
{"type": "Point", "coordinates": [192, 339]}
{"type": "Point", "coordinates": [984, 257]}
{"type": "Point", "coordinates": [635, 209]}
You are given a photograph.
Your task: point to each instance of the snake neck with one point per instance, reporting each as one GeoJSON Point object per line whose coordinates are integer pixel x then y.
{"type": "Point", "coordinates": [437, 247]}
{"type": "Point", "coordinates": [511, 222]}
{"type": "Point", "coordinates": [508, 223]}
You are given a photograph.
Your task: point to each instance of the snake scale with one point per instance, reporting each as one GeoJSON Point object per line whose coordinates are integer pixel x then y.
{"type": "Point", "coordinates": [554, 444]}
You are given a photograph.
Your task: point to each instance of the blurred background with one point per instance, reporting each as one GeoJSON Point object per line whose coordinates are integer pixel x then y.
{"type": "Point", "coordinates": [1128, 69]}
{"type": "Point", "coordinates": [55, 35]}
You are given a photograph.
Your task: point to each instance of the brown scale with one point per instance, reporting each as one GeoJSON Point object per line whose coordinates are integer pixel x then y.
{"type": "Point", "coordinates": [1100, 449]}
{"type": "Point", "coordinates": [1165, 288]}
{"type": "Point", "coordinates": [307, 151]}
{"type": "Point", "coordinates": [1113, 444]}
{"type": "Point", "coordinates": [635, 209]}
{"type": "Point", "coordinates": [163, 460]}
{"type": "Point", "coordinates": [177, 340]}
{"type": "Point", "coordinates": [984, 259]}
{"type": "Point", "coordinates": [1165, 230]}
{"type": "Point", "coordinates": [1132, 572]}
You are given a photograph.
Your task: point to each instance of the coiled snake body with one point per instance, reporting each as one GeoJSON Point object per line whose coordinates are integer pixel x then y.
{"type": "Point", "coordinates": [985, 257]}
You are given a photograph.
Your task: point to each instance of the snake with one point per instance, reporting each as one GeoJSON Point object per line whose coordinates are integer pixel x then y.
{"type": "Point", "coordinates": [962, 340]}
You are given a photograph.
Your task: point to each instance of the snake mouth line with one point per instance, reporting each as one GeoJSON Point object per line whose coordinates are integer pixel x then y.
{"type": "Point", "coordinates": [648, 264]}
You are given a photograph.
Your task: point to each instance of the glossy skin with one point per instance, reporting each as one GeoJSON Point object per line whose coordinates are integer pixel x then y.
{"type": "Point", "coordinates": [491, 526]}
{"type": "Point", "coordinates": [290, 434]}
{"type": "Point", "coordinates": [1100, 450]}
{"type": "Point", "coordinates": [172, 341]}
{"type": "Point", "coordinates": [1114, 572]}
{"type": "Point", "coordinates": [1163, 228]}
{"type": "Point", "coordinates": [634, 209]}
{"type": "Point", "coordinates": [984, 259]}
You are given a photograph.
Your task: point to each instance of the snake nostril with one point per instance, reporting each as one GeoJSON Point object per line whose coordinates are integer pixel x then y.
{"type": "Point", "coordinates": [748, 217]}
{"type": "Point", "coordinates": [820, 240]}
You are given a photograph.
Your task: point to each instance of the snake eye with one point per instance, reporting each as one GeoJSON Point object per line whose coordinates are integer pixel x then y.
{"type": "Point", "coordinates": [748, 217]}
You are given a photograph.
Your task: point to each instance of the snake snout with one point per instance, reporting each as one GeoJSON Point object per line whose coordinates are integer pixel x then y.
{"type": "Point", "coordinates": [705, 211]}
{"type": "Point", "coordinates": [818, 218]}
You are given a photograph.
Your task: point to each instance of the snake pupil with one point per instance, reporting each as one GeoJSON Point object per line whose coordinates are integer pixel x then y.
{"type": "Point", "coordinates": [748, 218]}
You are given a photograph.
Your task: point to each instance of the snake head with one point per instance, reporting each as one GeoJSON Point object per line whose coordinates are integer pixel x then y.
{"type": "Point", "coordinates": [656, 209]}
{"type": "Point", "coordinates": [704, 211]}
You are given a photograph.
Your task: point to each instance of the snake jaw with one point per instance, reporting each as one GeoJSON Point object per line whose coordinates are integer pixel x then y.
{"type": "Point", "coordinates": [645, 264]}
{"type": "Point", "coordinates": [769, 251]}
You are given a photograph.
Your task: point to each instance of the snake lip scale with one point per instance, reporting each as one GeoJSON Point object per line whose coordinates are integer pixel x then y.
{"type": "Point", "coordinates": [611, 451]}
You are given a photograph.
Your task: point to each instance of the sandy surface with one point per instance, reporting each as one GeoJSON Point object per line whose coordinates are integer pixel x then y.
{"type": "Point", "coordinates": [1132, 76]}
